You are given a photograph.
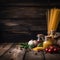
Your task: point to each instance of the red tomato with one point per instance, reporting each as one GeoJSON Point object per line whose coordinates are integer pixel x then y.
{"type": "Point", "coordinates": [49, 51]}
{"type": "Point", "coordinates": [58, 49]}
{"type": "Point", "coordinates": [46, 49]}
{"type": "Point", "coordinates": [55, 49]}
{"type": "Point", "coordinates": [51, 47]}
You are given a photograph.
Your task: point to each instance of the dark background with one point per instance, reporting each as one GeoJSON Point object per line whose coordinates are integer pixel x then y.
{"type": "Point", "coordinates": [22, 20]}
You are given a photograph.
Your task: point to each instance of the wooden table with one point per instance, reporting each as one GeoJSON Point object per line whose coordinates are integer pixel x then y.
{"type": "Point", "coordinates": [12, 51]}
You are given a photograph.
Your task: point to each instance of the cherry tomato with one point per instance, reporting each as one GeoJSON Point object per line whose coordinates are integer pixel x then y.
{"type": "Point", "coordinates": [51, 47]}
{"type": "Point", "coordinates": [58, 49]}
{"type": "Point", "coordinates": [46, 49]}
{"type": "Point", "coordinates": [55, 49]}
{"type": "Point", "coordinates": [49, 51]}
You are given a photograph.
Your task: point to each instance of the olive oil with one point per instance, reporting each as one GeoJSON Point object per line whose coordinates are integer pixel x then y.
{"type": "Point", "coordinates": [48, 42]}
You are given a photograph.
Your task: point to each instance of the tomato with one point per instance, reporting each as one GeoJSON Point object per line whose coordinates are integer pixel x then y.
{"type": "Point", "coordinates": [51, 47]}
{"type": "Point", "coordinates": [49, 51]}
{"type": "Point", "coordinates": [55, 49]}
{"type": "Point", "coordinates": [46, 49]}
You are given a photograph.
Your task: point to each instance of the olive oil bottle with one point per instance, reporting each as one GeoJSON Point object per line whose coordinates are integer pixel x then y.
{"type": "Point", "coordinates": [48, 42]}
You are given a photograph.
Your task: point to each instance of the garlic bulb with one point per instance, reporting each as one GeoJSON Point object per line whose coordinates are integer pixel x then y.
{"type": "Point", "coordinates": [35, 42]}
{"type": "Point", "coordinates": [31, 42]}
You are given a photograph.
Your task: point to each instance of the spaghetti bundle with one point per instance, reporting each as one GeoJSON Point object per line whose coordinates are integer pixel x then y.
{"type": "Point", "coordinates": [54, 20]}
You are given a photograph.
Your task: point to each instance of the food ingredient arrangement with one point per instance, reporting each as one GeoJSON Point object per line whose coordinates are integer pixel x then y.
{"type": "Point", "coordinates": [40, 44]}
{"type": "Point", "coordinates": [47, 43]}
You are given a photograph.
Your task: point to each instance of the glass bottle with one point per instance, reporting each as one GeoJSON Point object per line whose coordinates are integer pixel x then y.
{"type": "Point", "coordinates": [47, 42]}
{"type": "Point", "coordinates": [40, 38]}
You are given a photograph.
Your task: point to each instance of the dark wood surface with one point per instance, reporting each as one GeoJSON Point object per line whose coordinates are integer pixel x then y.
{"type": "Point", "coordinates": [12, 51]}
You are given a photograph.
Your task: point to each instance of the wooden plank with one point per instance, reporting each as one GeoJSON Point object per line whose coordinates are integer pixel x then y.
{"type": "Point", "coordinates": [32, 55]}
{"type": "Point", "coordinates": [49, 56]}
{"type": "Point", "coordinates": [4, 47]}
{"type": "Point", "coordinates": [15, 53]}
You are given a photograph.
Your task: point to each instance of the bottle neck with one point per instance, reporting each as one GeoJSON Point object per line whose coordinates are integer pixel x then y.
{"type": "Point", "coordinates": [38, 38]}
{"type": "Point", "coordinates": [46, 38]}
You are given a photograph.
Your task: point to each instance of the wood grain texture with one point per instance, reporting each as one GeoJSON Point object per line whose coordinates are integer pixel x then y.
{"type": "Point", "coordinates": [16, 53]}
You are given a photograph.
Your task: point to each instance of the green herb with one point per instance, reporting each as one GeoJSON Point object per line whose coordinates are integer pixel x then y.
{"type": "Point", "coordinates": [40, 45]}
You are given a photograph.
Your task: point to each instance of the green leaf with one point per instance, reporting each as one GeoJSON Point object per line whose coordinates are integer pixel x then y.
{"type": "Point", "coordinates": [40, 45]}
